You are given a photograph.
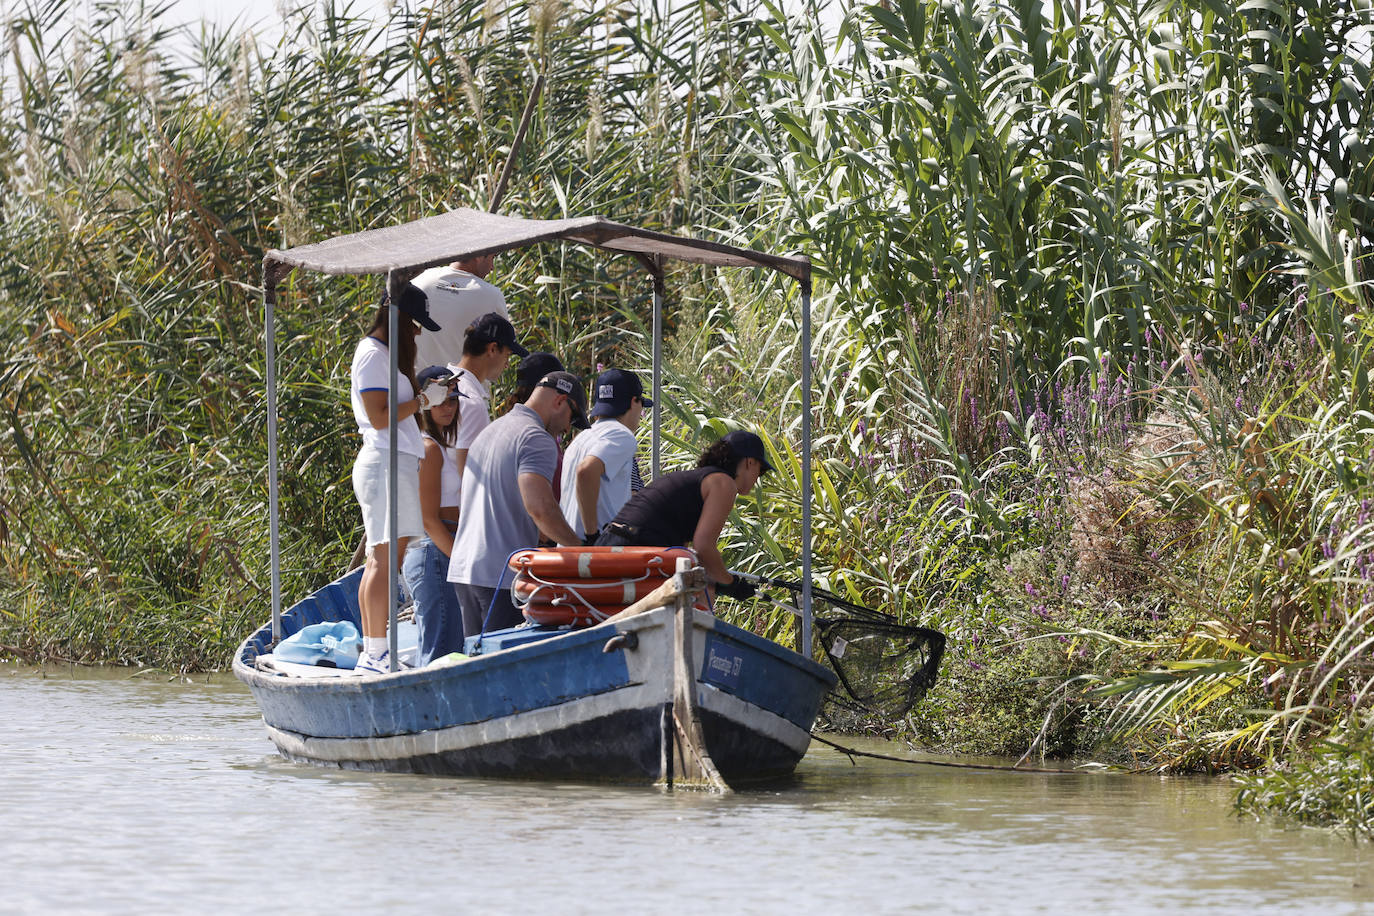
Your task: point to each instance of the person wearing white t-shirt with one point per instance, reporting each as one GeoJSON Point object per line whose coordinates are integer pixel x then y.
{"type": "Point", "coordinates": [458, 294]}
{"type": "Point", "coordinates": [438, 616]}
{"type": "Point", "coordinates": [369, 394]}
{"type": "Point", "coordinates": [601, 460]}
{"type": "Point", "coordinates": [488, 346]}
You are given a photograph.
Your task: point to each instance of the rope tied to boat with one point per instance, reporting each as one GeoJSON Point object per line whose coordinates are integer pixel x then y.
{"type": "Point", "coordinates": [564, 589]}
{"type": "Point", "coordinates": [853, 752]}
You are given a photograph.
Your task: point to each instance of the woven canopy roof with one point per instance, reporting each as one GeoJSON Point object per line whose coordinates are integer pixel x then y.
{"type": "Point", "coordinates": [461, 233]}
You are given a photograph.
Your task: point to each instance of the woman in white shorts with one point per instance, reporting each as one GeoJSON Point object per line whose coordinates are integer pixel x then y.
{"type": "Point", "coordinates": [371, 373]}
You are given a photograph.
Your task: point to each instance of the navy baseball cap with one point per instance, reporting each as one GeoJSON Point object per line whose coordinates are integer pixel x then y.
{"type": "Point", "coordinates": [745, 444]}
{"type": "Point", "coordinates": [493, 327]}
{"type": "Point", "coordinates": [616, 390]}
{"type": "Point", "coordinates": [415, 303]}
{"type": "Point", "coordinates": [441, 374]}
{"type": "Point", "coordinates": [571, 385]}
{"type": "Point", "coordinates": [534, 367]}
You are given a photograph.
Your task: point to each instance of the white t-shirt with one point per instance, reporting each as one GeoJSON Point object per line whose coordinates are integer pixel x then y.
{"type": "Point", "coordinates": [612, 442]}
{"type": "Point", "coordinates": [456, 299]}
{"type": "Point", "coordinates": [371, 371]}
{"type": "Point", "coordinates": [449, 483]}
{"type": "Point", "coordinates": [474, 408]}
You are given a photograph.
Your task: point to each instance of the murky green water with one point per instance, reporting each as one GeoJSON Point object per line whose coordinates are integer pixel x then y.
{"type": "Point", "coordinates": [137, 793]}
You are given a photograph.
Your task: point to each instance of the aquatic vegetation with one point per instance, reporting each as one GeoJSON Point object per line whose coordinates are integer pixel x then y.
{"type": "Point", "coordinates": [1327, 783]}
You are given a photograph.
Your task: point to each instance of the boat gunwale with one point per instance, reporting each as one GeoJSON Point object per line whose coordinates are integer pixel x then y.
{"type": "Point", "coordinates": [475, 665]}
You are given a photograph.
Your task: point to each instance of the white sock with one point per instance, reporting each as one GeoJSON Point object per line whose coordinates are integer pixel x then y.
{"type": "Point", "coordinates": [374, 645]}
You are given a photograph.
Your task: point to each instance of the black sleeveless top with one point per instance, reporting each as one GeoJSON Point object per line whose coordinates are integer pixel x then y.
{"type": "Point", "coordinates": [666, 512]}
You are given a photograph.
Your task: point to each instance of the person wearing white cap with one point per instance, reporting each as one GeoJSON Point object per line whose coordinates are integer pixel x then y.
{"type": "Point", "coordinates": [601, 459]}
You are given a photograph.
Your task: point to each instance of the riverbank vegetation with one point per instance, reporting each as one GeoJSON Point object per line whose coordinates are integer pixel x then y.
{"type": "Point", "coordinates": [1092, 341]}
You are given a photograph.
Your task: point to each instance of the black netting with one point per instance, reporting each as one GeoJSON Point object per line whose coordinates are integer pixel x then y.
{"type": "Point", "coordinates": [885, 667]}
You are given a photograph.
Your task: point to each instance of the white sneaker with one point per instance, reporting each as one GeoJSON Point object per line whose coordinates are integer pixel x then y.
{"type": "Point", "coordinates": [374, 664]}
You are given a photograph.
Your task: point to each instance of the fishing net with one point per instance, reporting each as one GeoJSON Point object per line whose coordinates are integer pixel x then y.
{"type": "Point", "coordinates": [885, 667]}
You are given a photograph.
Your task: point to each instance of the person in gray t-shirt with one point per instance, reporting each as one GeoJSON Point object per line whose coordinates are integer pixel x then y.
{"type": "Point", "coordinates": [508, 498]}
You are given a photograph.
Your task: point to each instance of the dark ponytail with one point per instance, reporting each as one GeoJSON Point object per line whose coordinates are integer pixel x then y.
{"type": "Point", "coordinates": [405, 351]}
{"type": "Point", "coordinates": [719, 455]}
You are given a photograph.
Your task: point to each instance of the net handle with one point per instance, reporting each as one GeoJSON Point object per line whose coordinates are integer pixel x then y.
{"type": "Point", "coordinates": [830, 597]}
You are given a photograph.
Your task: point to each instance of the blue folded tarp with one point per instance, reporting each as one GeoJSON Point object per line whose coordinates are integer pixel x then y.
{"type": "Point", "coordinates": [332, 645]}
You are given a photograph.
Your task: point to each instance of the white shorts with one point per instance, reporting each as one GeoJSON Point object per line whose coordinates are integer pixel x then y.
{"type": "Point", "coordinates": [370, 483]}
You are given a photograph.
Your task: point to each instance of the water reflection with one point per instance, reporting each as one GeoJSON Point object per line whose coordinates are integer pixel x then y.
{"type": "Point", "coordinates": [147, 793]}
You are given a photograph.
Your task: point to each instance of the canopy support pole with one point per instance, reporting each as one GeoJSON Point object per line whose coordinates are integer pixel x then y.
{"type": "Point", "coordinates": [392, 513]}
{"type": "Point", "coordinates": [269, 305]}
{"type": "Point", "coordinates": [806, 467]}
{"type": "Point", "coordinates": [655, 462]}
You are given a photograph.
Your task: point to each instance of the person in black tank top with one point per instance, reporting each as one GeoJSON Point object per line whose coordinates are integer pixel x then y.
{"type": "Point", "coordinates": [690, 507]}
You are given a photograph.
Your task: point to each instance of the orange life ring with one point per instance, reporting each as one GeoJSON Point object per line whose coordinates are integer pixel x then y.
{"type": "Point", "coordinates": [598, 562]}
{"type": "Point", "coordinates": [563, 615]}
{"type": "Point", "coordinates": [576, 614]}
{"type": "Point", "coordinates": [580, 586]}
{"type": "Point", "coordinates": [617, 593]}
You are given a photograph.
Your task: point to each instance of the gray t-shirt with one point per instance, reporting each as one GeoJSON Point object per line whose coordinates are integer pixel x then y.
{"type": "Point", "coordinates": [493, 522]}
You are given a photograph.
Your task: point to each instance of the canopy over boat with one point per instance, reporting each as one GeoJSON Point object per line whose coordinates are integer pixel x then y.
{"type": "Point", "coordinates": [463, 233]}
{"type": "Point", "coordinates": [402, 251]}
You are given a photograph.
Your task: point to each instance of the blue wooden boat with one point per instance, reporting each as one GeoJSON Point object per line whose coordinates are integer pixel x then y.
{"type": "Point", "coordinates": [668, 693]}
{"type": "Point", "coordinates": [600, 703]}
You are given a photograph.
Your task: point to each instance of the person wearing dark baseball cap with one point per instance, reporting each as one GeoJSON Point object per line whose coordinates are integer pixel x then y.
{"type": "Point", "coordinates": [570, 386]}
{"type": "Point", "coordinates": [601, 460]}
{"type": "Point", "coordinates": [493, 327]}
{"type": "Point", "coordinates": [617, 390]}
{"type": "Point", "coordinates": [528, 372]}
{"type": "Point", "coordinates": [508, 498]}
{"type": "Point", "coordinates": [689, 508]}
{"type": "Point", "coordinates": [414, 303]}
{"type": "Point", "coordinates": [533, 368]}
{"type": "Point", "coordinates": [487, 349]}
{"type": "Point", "coordinates": [370, 396]}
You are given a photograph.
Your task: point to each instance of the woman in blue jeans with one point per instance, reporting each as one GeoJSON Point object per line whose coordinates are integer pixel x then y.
{"type": "Point", "coordinates": [426, 562]}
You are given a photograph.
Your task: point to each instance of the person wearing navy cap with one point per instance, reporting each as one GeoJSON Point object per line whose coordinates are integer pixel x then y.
{"type": "Point", "coordinates": [488, 347]}
{"type": "Point", "coordinates": [369, 395]}
{"type": "Point", "coordinates": [602, 458]}
{"type": "Point", "coordinates": [689, 508]}
{"type": "Point", "coordinates": [437, 613]}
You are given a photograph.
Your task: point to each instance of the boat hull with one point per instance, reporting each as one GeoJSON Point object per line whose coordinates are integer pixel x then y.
{"type": "Point", "coordinates": [593, 704]}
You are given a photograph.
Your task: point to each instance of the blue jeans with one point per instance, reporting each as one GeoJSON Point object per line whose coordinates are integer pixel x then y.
{"type": "Point", "coordinates": [436, 602]}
